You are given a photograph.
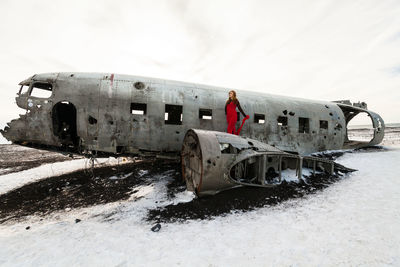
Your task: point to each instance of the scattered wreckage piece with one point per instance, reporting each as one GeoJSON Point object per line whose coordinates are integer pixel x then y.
{"type": "Point", "coordinates": [216, 161]}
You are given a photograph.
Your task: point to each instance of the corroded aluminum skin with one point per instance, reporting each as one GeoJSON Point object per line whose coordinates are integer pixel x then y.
{"type": "Point", "coordinates": [107, 98]}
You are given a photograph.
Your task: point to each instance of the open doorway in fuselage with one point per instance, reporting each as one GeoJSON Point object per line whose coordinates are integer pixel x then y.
{"type": "Point", "coordinates": [64, 123]}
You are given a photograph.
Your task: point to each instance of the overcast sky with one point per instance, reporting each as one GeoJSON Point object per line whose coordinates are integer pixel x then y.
{"type": "Point", "coordinates": [325, 50]}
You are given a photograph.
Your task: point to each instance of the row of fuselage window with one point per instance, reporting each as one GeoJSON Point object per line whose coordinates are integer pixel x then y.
{"type": "Point", "coordinates": [173, 115]}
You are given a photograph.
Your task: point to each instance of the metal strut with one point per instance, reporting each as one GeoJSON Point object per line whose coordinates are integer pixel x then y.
{"type": "Point", "coordinates": [89, 163]}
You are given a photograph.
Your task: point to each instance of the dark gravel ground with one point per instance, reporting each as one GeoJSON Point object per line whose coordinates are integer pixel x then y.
{"type": "Point", "coordinates": [240, 199]}
{"type": "Point", "coordinates": [15, 158]}
{"type": "Point", "coordinates": [81, 189]}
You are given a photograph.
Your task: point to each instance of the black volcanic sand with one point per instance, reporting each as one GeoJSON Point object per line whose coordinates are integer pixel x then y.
{"type": "Point", "coordinates": [249, 198]}
{"type": "Point", "coordinates": [241, 199]}
{"type": "Point", "coordinates": [80, 189]}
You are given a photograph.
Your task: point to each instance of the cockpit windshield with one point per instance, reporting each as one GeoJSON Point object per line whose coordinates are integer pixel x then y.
{"type": "Point", "coordinates": [41, 90]}
{"type": "Point", "coordinates": [24, 89]}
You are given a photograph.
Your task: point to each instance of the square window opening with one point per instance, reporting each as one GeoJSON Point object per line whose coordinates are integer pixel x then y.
{"type": "Point", "coordinates": [282, 121]}
{"type": "Point", "coordinates": [259, 118]}
{"type": "Point", "coordinates": [173, 114]}
{"type": "Point", "coordinates": [304, 125]}
{"type": "Point", "coordinates": [41, 90]}
{"type": "Point", "coordinates": [205, 114]}
{"type": "Point", "coordinates": [138, 108]}
{"type": "Point", "coordinates": [323, 124]}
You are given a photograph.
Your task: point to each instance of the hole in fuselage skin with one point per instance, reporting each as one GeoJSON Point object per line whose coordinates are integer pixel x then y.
{"type": "Point", "coordinates": [92, 120]}
{"type": "Point", "coordinates": [139, 85]}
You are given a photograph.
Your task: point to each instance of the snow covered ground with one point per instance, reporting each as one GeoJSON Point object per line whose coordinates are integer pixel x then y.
{"type": "Point", "coordinates": [355, 221]}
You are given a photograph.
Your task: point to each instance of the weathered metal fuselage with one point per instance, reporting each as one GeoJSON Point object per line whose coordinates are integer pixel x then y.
{"type": "Point", "coordinates": [128, 114]}
{"type": "Point", "coordinates": [215, 161]}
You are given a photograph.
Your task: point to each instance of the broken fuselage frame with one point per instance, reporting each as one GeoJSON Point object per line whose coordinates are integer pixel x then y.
{"type": "Point", "coordinates": [215, 161]}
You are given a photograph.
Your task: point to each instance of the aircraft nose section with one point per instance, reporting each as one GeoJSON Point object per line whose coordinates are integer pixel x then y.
{"type": "Point", "coordinates": [5, 131]}
{"type": "Point", "coordinates": [14, 130]}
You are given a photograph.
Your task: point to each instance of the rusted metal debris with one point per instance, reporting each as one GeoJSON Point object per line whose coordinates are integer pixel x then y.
{"type": "Point", "coordinates": [215, 161]}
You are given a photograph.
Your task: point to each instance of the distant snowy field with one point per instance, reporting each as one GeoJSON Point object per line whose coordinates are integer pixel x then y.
{"type": "Point", "coordinates": [355, 221]}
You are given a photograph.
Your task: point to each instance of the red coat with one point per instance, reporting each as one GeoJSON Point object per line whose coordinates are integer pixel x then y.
{"type": "Point", "coordinates": [231, 116]}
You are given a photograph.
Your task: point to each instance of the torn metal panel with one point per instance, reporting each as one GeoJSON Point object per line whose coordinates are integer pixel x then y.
{"type": "Point", "coordinates": [214, 161]}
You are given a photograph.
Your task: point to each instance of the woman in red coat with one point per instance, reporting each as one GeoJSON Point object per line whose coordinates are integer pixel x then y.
{"type": "Point", "coordinates": [230, 111]}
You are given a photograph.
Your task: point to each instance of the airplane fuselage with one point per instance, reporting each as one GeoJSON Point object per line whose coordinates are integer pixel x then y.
{"type": "Point", "coordinates": [128, 114]}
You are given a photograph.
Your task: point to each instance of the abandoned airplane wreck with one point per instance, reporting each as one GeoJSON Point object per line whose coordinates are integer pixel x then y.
{"type": "Point", "coordinates": [122, 114]}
